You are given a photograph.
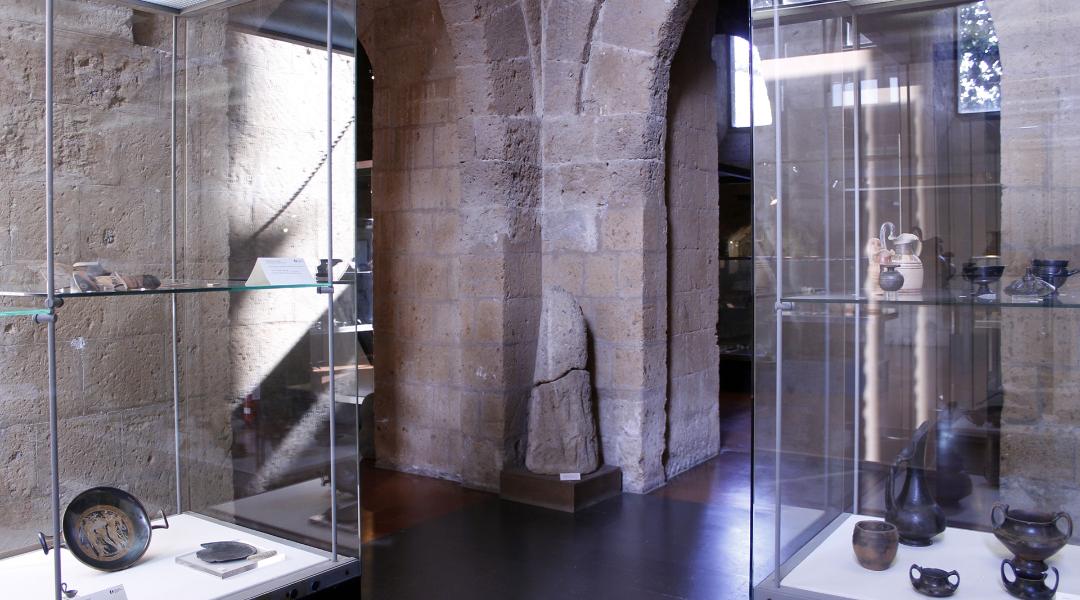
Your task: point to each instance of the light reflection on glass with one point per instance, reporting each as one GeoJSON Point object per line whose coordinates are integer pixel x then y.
{"type": "Point", "coordinates": [743, 96]}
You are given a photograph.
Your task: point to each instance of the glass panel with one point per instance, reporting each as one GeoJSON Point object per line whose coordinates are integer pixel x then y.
{"type": "Point", "coordinates": [257, 438]}
{"type": "Point", "coordinates": [239, 383]}
{"type": "Point", "coordinates": [22, 149]}
{"type": "Point", "coordinates": [800, 479]}
{"type": "Point", "coordinates": [890, 225]}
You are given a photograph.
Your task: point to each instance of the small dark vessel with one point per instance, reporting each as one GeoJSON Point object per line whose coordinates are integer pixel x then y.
{"type": "Point", "coordinates": [1028, 588]}
{"type": "Point", "coordinates": [933, 582]}
{"type": "Point", "coordinates": [982, 275]}
{"type": "Point", "coordinates": [950, 483]}
{"type": "Point", "coordinates": [1032, 536]}
{"type": "Point", "coordinates": [916, 515]}
{"type": "Point", "coordinates": [890, 280]}
{"type": "Point", "coordinates": [1054, 272]}
{"type": "Point", "coordinates": [875, 544]}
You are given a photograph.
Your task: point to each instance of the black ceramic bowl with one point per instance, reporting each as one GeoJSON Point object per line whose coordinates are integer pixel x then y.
{"type": "Point", "coordinates": [982, 275]}
{"type": "Point", "coordinates": [1042, 263]}
{"type": "Point", "coordinates": [989, 273]}
{"type": "Point", "coordinates": [106, 528]}
{"type": "Point", "coordinates": [936, 583]}
{"type": "Point", "coordinates": [1054, 272]}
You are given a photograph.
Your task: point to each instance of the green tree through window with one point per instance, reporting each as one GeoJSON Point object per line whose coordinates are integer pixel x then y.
{"type": "Point", "coordinates": [979, 84]}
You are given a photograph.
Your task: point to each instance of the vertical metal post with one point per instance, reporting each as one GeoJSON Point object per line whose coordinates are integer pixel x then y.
{"type": "Point", "coordinates": [827, 227]}
{"type": "Point", "coordinates": [54, 442]}
{"type": "Point", "coordinates": [172, 221]}
{"type": "Point", "coordinates": [779, 291]}
{"type": "Point", "coordinates": [753, 229]}
{"type": "Point", "coordinates": [857, 135]}
{"type": "Point", "coordinates": [330, 273]}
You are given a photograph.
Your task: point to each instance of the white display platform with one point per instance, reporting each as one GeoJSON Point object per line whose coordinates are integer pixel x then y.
{"type": "Point", "coordinates": [157, 576]}
{"type": "Point", "coordinates": [831, 568]}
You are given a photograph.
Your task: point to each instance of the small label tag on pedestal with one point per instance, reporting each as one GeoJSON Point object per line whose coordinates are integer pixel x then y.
{"type": "Point", "coordinates": [569, 476]}
{"type": "Point", "coordinates": [114, 593]}
{"type": "Point", "coordinates": [280, 271]}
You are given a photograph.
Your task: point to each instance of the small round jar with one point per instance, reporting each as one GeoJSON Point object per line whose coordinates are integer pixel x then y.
{"type": "Point", "coordinates": [875, 544]}
{"type": "Point", "coordinates": [890, 280]}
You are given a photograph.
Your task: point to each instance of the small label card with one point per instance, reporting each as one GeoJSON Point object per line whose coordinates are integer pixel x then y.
{"type": "Point", "coordinates": [114, 593]}
{"type": "Point", "coordinates": [280, 271]}
{"type": "Point", "coordinates": [569, 476]}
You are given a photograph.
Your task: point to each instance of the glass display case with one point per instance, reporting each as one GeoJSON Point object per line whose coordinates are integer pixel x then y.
{"type": "Point", "coordinates": [181, 375]}
{"type": "Point", "coordinates": [917, 359]}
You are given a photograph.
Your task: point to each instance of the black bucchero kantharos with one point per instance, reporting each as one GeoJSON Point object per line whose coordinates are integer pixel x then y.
{"type": "Point", "coordinates": [106, 528]}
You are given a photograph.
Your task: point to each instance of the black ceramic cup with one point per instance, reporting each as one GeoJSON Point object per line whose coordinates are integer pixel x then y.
{"type": "Point", "coordinates": [1028, 588]}
{"type": "Point", "coordinates": [875, 544]}
{"type": "Point", "coordinates": [935, 583]}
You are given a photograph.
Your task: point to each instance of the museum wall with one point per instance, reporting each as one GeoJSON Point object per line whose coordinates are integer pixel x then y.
{"type": "Point", "coordinates": [606, 83]}
{"type": "Point", "coordinates": [276, 151]}
{"type": "Point", "coordinates": [114, 373]}
{"type": "Point", "coordinates": [553, 176]}
{"type": "Point", "coordinates": [693, 419]}
{"type": "Point", "coordinates": [253, 137]}
{"type": "Point", "coordinates": [416, 199]}
{"type": "Point", "coordinates": [1039, 219]}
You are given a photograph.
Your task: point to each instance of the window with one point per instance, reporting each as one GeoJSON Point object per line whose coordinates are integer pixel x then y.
{"type": "Point", "coordinates": [745, 94]}
{"type": "Point", "coordinates": [979, 83]}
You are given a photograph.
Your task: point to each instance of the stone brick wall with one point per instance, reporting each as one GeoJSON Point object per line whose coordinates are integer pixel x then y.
{"type": "Point", "coordinates": [1040, 436]}
{"type": "Point", "coordinates": [518, 145]}
{"type": "Point", "coordinates": [554, 175]}
{"type": "Point", "coordinates": [276, 142]}
{"type": "Point", "coordinates": [416, 205]}
{"type": "Point", "coordinates": [112, 201]}
{"type": "Point", "coordinates": [248, 117]}
{"type": "Point", "coordinates": [693, 420]}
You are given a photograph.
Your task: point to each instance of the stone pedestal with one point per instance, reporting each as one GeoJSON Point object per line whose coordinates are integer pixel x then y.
{"type": "Point", "coordinates": [546, 491]}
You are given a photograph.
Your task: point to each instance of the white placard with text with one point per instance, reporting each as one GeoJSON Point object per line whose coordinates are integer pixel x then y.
{"type": "Point", "coordinates": [114, 593]}
{"type": "Point", "coordinates": [280, 271]}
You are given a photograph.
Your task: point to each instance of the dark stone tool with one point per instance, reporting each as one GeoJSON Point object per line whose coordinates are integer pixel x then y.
{"type": "Point", "coordinates": [219, 552]}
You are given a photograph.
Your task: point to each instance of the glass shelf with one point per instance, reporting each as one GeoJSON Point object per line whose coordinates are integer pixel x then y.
{"type": "Point", "coordinates": [1064, 299]}
{"type": "Point", "coordinates": [167, 287]}
{"type": "Point", "coordinates": [23, 312]}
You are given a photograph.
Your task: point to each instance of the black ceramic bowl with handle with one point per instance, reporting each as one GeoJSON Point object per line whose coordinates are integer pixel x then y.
{"type": "Point", "coordinates": [106, 528]}
{"type": "Point", "coordinates": [1055, 272]}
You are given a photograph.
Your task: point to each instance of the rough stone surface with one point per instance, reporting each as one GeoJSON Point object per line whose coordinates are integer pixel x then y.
{"type": "Point", "coordinates": [518, 148]}
{"type": "Point", "coordinates": [519, 144]}
{"type": "Point", "coordinates": [246, 130]}
{"type": "Point", "coordinates": [562, 345]}
{"type": "Point", "coordinates": [1040, 192]}
{"type": "Point", "coordinates": [114, 373]}
{"type": "Point", "coordinates": [562, 430]}
{"type": "Point", "coordinates": [693, 419]}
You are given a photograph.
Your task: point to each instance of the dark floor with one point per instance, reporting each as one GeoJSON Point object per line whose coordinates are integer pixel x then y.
{"type": "Point", "coordinates": [690, 539]}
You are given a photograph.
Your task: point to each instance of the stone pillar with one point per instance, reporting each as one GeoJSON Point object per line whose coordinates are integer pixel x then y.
{"type": "Point", "coordinates": [416, 206]}
{"type": "Point", "coordinates": [559, 113]}
{"type": "Point", "coordinates": [693, 419]}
